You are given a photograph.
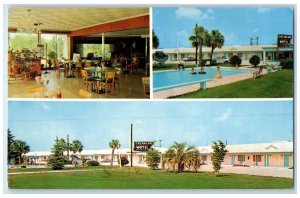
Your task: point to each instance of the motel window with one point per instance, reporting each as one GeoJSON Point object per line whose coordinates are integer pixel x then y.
{"type": "Point", "coordinates": [256, 158]}
{"type": "Point", "coordinates": [96, 157]}
{"type": "Point", "coordinates": [241, 158]}
{"type": "Point", "coordinates": [204, 158]}
{"type": "Point", "coordinates": [175, 56]}
{"type": "Point", "coordinates": [182, 56]}
{"type": "Point", "coordinates": [240, 55]}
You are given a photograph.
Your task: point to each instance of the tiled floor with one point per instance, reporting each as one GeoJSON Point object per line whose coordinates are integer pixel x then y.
{"type": "Point", "coordinates": [130, 87]}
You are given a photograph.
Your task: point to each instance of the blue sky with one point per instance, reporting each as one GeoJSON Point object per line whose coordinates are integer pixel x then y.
{"type": "Point", "coordinates": [174, 25]}
{"type": "Point", "coordinates": [194, 122]}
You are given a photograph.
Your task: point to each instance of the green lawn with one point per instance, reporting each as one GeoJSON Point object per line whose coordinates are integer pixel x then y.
{"type": "Point", "coordinates": [142, 178]}
{"type": "Point", "coordinates": [168, 66]}
{"type": "Point", "coordinates": [274, 85]}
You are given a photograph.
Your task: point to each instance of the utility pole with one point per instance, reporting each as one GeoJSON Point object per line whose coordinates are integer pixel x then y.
{"type": "Point", "coordinates": [131, 145]}
{"type": "Point", "coordinates": [68, 148]}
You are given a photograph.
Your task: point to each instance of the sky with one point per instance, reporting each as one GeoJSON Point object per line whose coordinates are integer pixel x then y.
{"type": "Point", "coordinates": [196, 123]}
{"type": "Point", "coordinates": [173, 26]}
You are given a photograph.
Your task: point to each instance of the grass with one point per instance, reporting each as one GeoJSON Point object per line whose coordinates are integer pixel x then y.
{"type": "Point", "coordinates": [143, 178]}
{"type": "Point", "coordinates": [168, 66]}
{"type": "Point", "coordinates": [274, 85]}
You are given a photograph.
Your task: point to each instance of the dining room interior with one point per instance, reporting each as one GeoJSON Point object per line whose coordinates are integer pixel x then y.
{"type": "Point", "coordinates": [78, 52]}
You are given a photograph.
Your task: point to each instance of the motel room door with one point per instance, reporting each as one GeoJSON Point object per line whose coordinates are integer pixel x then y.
{"type": "Point", "coordinates": [267, 159]}
{"type": "Point", "coordinates": [286, 160]}
{"type": "Point", "coordinates": [232, 159]}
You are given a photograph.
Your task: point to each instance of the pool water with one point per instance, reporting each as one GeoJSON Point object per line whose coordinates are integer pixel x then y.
{"type": "Point", "coordinates": [169, 79]}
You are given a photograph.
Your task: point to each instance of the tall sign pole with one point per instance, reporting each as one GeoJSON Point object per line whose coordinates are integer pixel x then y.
{"type": "Point", "coordinates": [131, 145]}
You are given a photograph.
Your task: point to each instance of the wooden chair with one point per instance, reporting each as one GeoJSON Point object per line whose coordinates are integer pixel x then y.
{"type": "Point", "coordinates": [77, 69]}
{"type": "Point", "coordinates": [258, 73]}
{"type": "Point", "coordinates": [146, 85]}
{"type": "Point", "coordinates": [117, 76]}
{"type": "Point", "coordinates": [86, 80]}
{"type": "Point", "coordinates": [134, 65]}
{"type": "Point", "coordinates": [84, 94]}
{"type": "Point", "coordinates": [88, 64]}
{"type": "Point", "coordinates": [109, 82]}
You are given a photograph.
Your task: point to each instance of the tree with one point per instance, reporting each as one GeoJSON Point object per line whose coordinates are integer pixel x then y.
{"type": "Point", "coordinates": [20, 147]}
{"type": "Point", "coordinates": [178, 154]}
{"type": "Point", "coordinates": [215, 40]}
{"type": "Point", "coordinates": [155, 40]}
{"type": "Point", "coordinates": [254, 60]}
{"type": "Point", "coordinates": [57, 160]}
{"type": "Point", "coordinates": [76, 146]}
{"type": "Point", "coordinates": [124, 161]}
{"type": "Point", "coordinates": [152, 158]}
{"type": "Point", "coordinates": [192, 159]}
{"type": "Point", "coordinates": [199, 38]}
{"type": "Point", "coordinates": [113, 145]}
{"type": "Point", "coordinates": [235, 60]}
{"type": "Point", "coordinates": [10, 139]}
{"type": "Point", "coordinates": [218, 155]}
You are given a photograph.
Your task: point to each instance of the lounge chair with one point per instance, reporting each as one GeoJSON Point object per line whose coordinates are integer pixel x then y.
{"type": "Point", "coordinates": [258, 73]}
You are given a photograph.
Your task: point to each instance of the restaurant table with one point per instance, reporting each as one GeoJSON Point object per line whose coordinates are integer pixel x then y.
{"type": "Point", "coordinates": [68, 63]}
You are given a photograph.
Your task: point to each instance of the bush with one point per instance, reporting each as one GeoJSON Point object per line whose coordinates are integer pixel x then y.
{"type": "Point", "coordinates": [287, 63]}
{"type": "Point", "coordinates": [212, 63]}
{"type": "Point", "coordinates": [254, 60]}
{"type": "Point", "coordinates": [124, 161]}
{"type": "Point", "coordinates": [92, 163]}
{"type": "Point", "coordinates": [235, 60]}
{"type": "Point", "coordinates": [153, 158]}
{"type": "Point", "coordinates": [57, 162]}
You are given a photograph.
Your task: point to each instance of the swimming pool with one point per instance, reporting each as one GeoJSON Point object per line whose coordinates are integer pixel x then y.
{"type": "Point", "coordinates": [163, 80]}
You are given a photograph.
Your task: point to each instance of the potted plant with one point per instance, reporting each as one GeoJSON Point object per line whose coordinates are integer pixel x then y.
{"type": "Point", "coordinates": [51, 55]}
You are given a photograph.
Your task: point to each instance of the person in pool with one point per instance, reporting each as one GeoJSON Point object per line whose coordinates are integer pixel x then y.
{"type": "Point", "coordinates": [218, 73]}
{"type": "Point", "coordinates": [193, 71]}
{"type": "Point", "coordinates": [202, 71]}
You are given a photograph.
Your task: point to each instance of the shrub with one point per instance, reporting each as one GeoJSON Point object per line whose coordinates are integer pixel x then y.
{"type": "Point", "coordinates": [57, 162]}
{"type": "Point", "coordinates": [212, 63]}
{"type": "Point", "coordinates": [235, 60]}
{"type": "Point", "coordinates": [153, 158]}
{"type": "Point", "coordinates": [287, 63]}
{"type": "Point", "coordinates": [254, 60]}
{"type": "Point", "coordinates": [124, 161]}
{"type": "Point", "coordinates": [92, 163]}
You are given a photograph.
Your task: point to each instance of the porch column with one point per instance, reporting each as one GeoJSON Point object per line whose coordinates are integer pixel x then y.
{"type": "Point", "coordinates": [102, 47]}
{"type": "Point", "coordinates": [264, 55]}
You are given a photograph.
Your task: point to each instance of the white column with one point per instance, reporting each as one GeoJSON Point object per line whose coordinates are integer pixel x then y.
{"type": "Point", "coordinates": [103, 49]}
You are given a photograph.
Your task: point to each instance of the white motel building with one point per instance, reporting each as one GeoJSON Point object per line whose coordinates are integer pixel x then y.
{"type": "Point", "coordinates": [267, 53]}
{"type": "Point", "coordinates": [274, 154]}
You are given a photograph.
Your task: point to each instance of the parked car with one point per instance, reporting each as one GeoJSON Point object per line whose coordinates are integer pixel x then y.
{"type": "Point", "coordinates": [221, 60]}
{"type": "Point", "coordinates": [189, 59]}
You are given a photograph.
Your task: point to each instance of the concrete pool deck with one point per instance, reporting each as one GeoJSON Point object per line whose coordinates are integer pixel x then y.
{"type": "Point", "coordinates": [165, 94]}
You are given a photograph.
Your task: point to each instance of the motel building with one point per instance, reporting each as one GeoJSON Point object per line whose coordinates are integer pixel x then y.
{"type": "Point", "coordinates": [269, 54]}
{"type": "Point", "coordinates": [274, 154]}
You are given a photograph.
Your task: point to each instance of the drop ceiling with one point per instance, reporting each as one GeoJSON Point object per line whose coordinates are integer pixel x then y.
{"type": "Point", "coordinates": [74, 18]}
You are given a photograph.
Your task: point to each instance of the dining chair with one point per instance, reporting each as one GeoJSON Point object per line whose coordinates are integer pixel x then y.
{"type": "Point", "coordinates": [117, 76]}
{"type": "Point", "coordinates": [84, 94]}
{"type": "Point", "coordinates": [109, 81]}
{"type": "Point", "coordinates": [86, 80]}
{"type": "Point", "coordinates": [146, 85]}
{"type": "Point", "coordinates": [77, 69]}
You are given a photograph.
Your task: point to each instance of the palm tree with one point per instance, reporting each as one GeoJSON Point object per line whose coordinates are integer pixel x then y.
{"type": "Point", "coordinates": [76, 146]}
{"type": "Point", "coordinates": [169, 158]}
{"type": "Point", "coordinates": [198, 39]}
{"type": "Point", "coordinates": [20, 147]}
{"type": "Point", "coordinates": [155, 40]}
{"type": "Point", "coordinates": [192, 159]}
{"type": "Point", "coordinates": [113, 145]}
{"type": "Point", "coordinates": [180, 154]}
{"type": "Point", "coordinates": [215, 40]}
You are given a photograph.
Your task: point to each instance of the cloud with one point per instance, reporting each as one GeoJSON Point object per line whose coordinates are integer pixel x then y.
{"type": "Point", "coordinates": [256, 30]}
{"type": "Point", "coordinates": [45, 106]}
{"type": "Point", "coordinates": [194, 13]}
{"type": "Point", "coordinates": [225, 115]}
{"type": "Point", "coordinates": [262, 10]}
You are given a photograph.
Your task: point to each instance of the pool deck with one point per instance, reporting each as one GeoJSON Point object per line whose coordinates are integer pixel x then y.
{"type": "Point", "coordinates": [169, 93]}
